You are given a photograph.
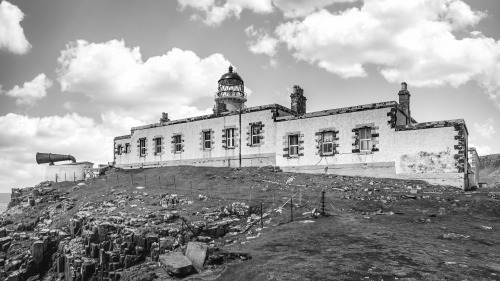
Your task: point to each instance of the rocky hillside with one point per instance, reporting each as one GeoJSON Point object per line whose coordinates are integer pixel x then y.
{"type": "Point", "coordinates": [490, 169]}
{"type": "Point", "coordinates": [201, 223]}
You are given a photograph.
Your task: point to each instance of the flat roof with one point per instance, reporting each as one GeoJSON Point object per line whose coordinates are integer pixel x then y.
{"type": "Point", "coordinates": [433, 124]}
{"type": "Point", "coordinates": [340, 110]}
{"type": "Point", "coordinates": [210, 116]}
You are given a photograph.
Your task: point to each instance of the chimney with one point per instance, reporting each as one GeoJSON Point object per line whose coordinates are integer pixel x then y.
{"type": "Point", "coordinates": [298, 100]}
{"type": "Point", "coordinates": [164, 117]}
{"type": "Point", "coordinates": [404, 101]}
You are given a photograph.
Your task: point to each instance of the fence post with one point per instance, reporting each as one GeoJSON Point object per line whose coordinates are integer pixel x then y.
{"type": "Point", "coordinates": [291, 207]}
{"type": "Point", "coordinates": [322, 202]}
{"type": "Point", "coordinates": [74, 176]}
{"type": "Point", "coordinates": [117, 180]}
{"type": "Point", "coordinates": [56, 177]}
{"type": "Point", "coordinates": [261, 221]}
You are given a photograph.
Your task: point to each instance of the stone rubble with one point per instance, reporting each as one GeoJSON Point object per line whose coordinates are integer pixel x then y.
{"type": "Point", "coordinates": [103, 240]}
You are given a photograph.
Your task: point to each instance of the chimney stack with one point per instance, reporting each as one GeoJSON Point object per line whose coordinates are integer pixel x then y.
{"type": "Point", "coordinates": [164, 117]}
{"type": "Point", "coordinates": [298, 100]}
{"type": "Point", "coordinates": [404, 101]}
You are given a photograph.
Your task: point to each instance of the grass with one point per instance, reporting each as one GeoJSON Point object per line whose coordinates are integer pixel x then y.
{"type": "Point", "coordinates": [373, 231]}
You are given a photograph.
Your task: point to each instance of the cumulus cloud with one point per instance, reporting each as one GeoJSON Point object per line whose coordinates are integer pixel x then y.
{"type": "Point", "coordinates": [114, 76]}
{"type": "Point", "coordinates": [482, 149]}
{"type": "Point", "coordinates": [486, 129]}
{"type": "Point", "coordinates": [263, 43]}
{"type": "Point", "coordinates": [215, 12]}
{"type": "Point", "coordinates": [409, 41]}
{"type": "Point", "coordinates": [124, 90]}
{"type": "Point", "coordinates": [218, 11]}
{"type": "Point", "coordinates": [31, 91]}
{"type": "Point", "coordinates": [21, 137]}
{"type": "Point", "coordinates": [301, 8]}
{"type": "Point", "coordinates": [12, 36]}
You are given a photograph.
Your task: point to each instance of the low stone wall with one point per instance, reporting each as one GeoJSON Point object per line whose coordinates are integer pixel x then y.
{"type": "Point", "coordinates": [379, 170]}
{"type": "Point", "coordinates": [256, 160]}
{"type": "Point", "coordinates": [68, 172]}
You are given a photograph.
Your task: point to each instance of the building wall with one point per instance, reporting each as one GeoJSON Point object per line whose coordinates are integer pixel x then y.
{"type": "Point", "coordinates": [474, 164]}
{"type": "Point", "coordinates": [428, 154]}
{"type": "Point", "coordinates": [66, 172]}
{"type": "Point", "coordinates": [193, 152]}
{"type": "Point", "coordinates": [344, 124]}
{"type": "Point", "coordinates": [123, 157]}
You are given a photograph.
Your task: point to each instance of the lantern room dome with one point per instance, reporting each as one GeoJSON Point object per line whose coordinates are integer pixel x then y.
{"type": "Point", "coordinates": [231, 77]}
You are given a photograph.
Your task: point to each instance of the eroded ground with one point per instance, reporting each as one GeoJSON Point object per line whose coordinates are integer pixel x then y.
{"type": "Point", "coordinates": [376, 229]}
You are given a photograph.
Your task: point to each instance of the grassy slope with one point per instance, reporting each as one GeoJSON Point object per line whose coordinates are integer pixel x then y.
{"type": "Point", "coordinates": [351, 244]}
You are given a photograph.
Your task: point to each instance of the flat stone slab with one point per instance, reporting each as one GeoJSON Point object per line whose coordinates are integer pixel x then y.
{"type": "Point", "coordinates": [177, 264]}
{"type": "Point", "coordinates": [196, 252]}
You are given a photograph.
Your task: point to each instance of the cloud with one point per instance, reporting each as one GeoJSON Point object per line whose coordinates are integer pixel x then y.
{"type": "Point", "coordinates": [21, 137]}
{"type": "Point", "coordinates": [12, 36]}
{"type": "Point", "coordinates": [124, 90]}
{"type": "Point", "coordinates": [215, 12]}
{"type": "Point", "coordinates": [486, 129]}
{"type": "Point", "coordinates": [410, 41]}
{"type": "Point", "coordinates": [218, 11]}
{"type": "Point", "coordinates": [31, 91]}
{"type": "Point", "coordinates": [482, 149]}
{"type": "Point", "coordinates": [301, 8]}
{"type": "Point", "coordinates": [115, 77]}
{"type": "Point", "coordinates": [263, 44]}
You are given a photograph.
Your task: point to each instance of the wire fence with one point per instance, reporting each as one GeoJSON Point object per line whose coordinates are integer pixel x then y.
{"type": "Point", "coordinates": [292, 201]}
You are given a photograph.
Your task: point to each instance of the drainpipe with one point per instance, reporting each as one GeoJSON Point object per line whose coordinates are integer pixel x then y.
{"type": "Point", "coordinates": [241, 134]}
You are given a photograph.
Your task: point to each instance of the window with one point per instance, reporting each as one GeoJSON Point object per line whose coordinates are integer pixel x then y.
{"type": "Point", "coordinates": [207, 141]}
{"type": "Point", "coordinates": [119, 149]}
{"type": "Point", "coordinates": [255, 131]}
{"type": "Point", "coordinates": [158, 145]}
{"type": "Point", "coordinates": [142, 147]}
{"type": "Point", "coordinates": [365, 139]}
{"type": "Point", "coordinates": [327, 143]}
{"type": "Point", "coordinates": [293, 145]}
{"type": "Point", "coordinates": [127, 148]}
{"type": "Point", "coordinates": [230, 137]}
{"type": "Point", "coordinates": [177, 143]}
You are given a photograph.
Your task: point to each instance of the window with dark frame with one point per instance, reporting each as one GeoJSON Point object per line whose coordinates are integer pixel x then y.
{"type": "Point", "coordinates": [293, 145]}
{"type": "Point", "coordinates": [127, 148]}
{"type": "Point", "coordinates": [119, 149]}
{"type": "Point", "coordinates": [142, 147]}
{"type": "Point", "coordinates": [327, 143]}
{"type": "Point", "coordinates": [177, 143]}
{"type": "Point", "coordinates": [365, 139]}
{"type": "Point", "coordinates": [255, 133]}
{"type": "Point", "coordinates": [207, 140]}
{"type": "Point", "coordinates": [230, 137]}
{"type": "Point", "coordinates": [158, 145]}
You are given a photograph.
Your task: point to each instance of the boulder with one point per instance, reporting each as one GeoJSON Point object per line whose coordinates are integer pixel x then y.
{"type": "Point", "coordinates": [177, 264]}
{"type": "Point", "coordinates": [37, 251]}
{"type": "Point", "coordinates": [196, 252]}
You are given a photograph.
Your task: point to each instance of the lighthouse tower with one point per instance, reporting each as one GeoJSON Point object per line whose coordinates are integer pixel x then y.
{"type": "Point", "coordinates": [230, 94]}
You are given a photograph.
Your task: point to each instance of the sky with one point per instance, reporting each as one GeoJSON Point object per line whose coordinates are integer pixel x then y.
{"type": "Point", "coordinates": [76, 73]}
